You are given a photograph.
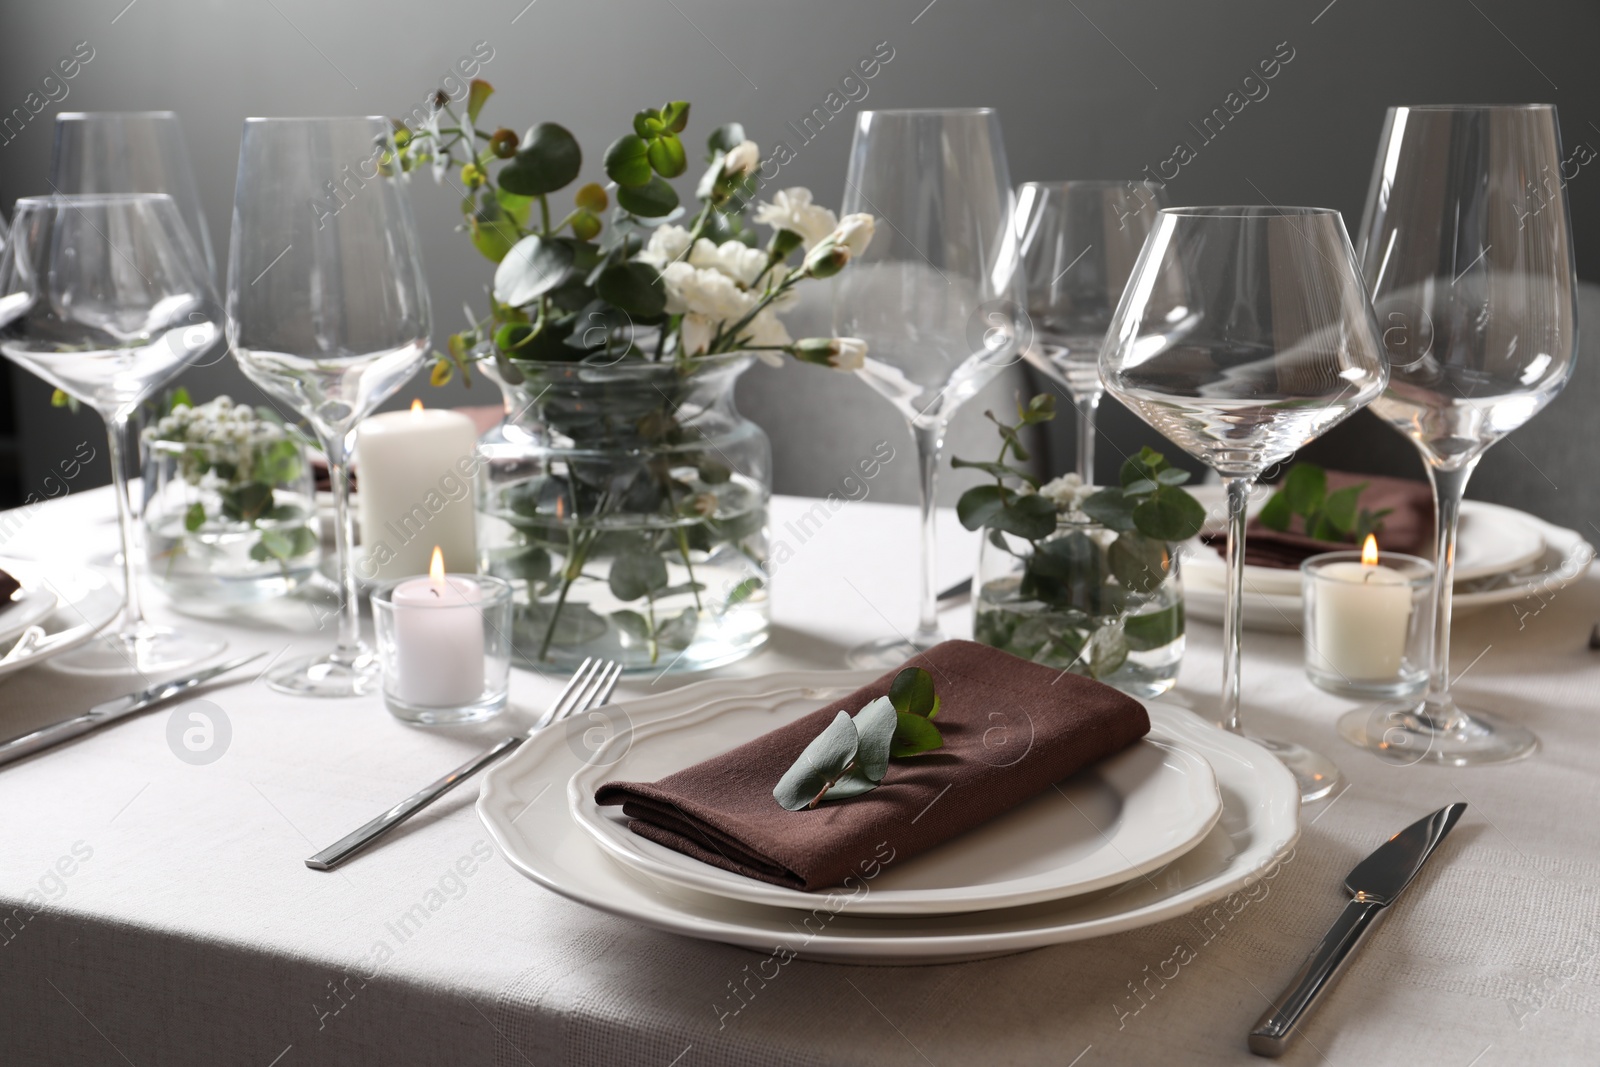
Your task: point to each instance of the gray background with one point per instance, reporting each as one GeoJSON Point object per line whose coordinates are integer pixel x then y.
{"type": "Point", "coordinates": [1085, 88]}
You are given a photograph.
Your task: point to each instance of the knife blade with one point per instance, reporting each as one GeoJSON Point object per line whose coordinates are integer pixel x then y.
{"type": "Point", "coordinates": [1374, 884]}
{"type": "Point", "coordinates": [112, 710]}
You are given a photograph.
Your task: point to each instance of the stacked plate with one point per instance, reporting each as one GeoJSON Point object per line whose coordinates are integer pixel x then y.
{"type": "Point", "coordinates": [1502, 555]}
{"type": "Point", "coordinates": [1177, 821]}
{"type": "Point", "coordinates": [63, 607]}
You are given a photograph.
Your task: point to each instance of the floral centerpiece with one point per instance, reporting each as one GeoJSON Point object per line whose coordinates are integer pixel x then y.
{"type": "Point", "coordinates": [229, 512]}
{"type": "Point", "coordinates": [1076, 576]}
{"type": "Point", "coordinates": [624, 496]}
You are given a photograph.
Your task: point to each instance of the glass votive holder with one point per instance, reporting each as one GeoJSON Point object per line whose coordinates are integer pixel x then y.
{"type": "Point", "coordinates": [445, 647]}
{"type": "Point", "coordinates": [1367, 625]}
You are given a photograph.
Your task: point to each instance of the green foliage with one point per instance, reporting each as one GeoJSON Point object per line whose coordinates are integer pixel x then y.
{"type": "Point", "coordinates": [1335, 516]}
{"type": "Point", "coordinates": [548, 159]}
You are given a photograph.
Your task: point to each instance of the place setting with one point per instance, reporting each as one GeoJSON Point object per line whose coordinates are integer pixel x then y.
{"type": "Point", "coordinates": [594, 564]}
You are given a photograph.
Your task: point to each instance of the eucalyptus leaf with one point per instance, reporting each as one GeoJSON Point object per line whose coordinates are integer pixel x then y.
{"type": "Point", "coordinates": [1304, 486]}
{"type": "Point", "coordinates": [1156, 629]}
{"type": "Point", "coordinates": [1339, 507]}
{"type": "Point", "coordinates": [1275, 513]}
{"type": "Point", "coordinates": [634, 287]}
{"type": "Point", "coordinates": [194, 517]}
{"type": "Point", "coordinates": [1138, 562]}
{"type": "Point", "coordinates": [637, 573]}
{"type": "Point", "coordinates": [725, 138]}
{"type": "Point", "coordinates": [534, 266]}
{"type": "Point", "coordinates": [1169, 515]}
{"type": "Point", "coordinates": [1026, 515]}
{"type": "Point", "coordinates": [1110, 508]}
{"type": "Point", "coordinates": [912, 691]}
{"type": "Point", "coordinates": [875, 726]}
{"type": "Point", "coordinates": [627, 161]}
{"type": "Point", "coordinates": [825, 759]}
{"type": "Point", "coordinates": [852, 784]}
{"type": "Point", "coordinates": [547, 159]}
{"type": "Point", "coordinates": [650, 200]}
{"type": "Point", "coordinates": [914, 735]}
{"type": "Point", "coordinates": [667, 156]}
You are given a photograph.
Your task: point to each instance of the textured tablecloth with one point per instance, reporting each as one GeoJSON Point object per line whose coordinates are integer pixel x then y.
{"type": "Point", "coordinates": [157, 912]}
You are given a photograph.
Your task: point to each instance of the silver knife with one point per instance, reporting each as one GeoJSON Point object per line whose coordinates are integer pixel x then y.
{"type": "Point", "coordinates": [112, 710]}
{"type": "Point", "coordinates": [1373, 884]}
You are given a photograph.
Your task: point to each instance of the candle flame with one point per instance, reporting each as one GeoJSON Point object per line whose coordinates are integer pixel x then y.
{"type": "Point", "coordinates": [416, 405]}
{"type": "Point", "coordinates": [436, 568]}
{"type": "Point", "coordinates": [1369, 551]}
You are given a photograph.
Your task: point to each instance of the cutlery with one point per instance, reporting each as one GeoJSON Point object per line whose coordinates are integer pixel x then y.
{"type": "Point", "coordinates": [1594, 638]}
{"type": "Point", "coordinates": [957, 593]}
{"type": "Point", "coordinates": [1373, 884]}
{"type": "Point", "coordinates": [589, 687]}
{"type": "Point", "coordinates": [25, 644]}
{"type": "Point", "coordinates": [112, 710]}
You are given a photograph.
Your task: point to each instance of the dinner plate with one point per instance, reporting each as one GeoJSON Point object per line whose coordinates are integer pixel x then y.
{"type": "Point", "coordinates": [1492, 540]}
{"type": "Point", "coordinates": [524, 807]}
{"type": "Point", "coordinates": [27, 606]}
{"type": "Point", "coordinates": [83, 602]}
{"type": "Point", "coordinates": [1565, 559]}
{"type": "Point", "coordinates": [1123, 817]}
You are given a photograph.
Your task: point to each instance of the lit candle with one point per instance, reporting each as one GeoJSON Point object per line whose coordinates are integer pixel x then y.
{"type": "Point", "coordinates": [438, 634]}
{"type": "Point", "coordinates": [414, 482]}
{"type": "Point", "coordinates": [1363, 612]}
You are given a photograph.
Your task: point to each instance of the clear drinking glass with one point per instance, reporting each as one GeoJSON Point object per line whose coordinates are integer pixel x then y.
{"type": "Point", "coordinates": [1466, 247]}
{"type": "Point", "coordinates": [937, 294]}
{"type": "Point", "coordinates": [1245, 333]}
{"type": "Point", "coordinates": [129, 152]}
{"type": "Point", "coordinates": [328, 313]}
{"type": "Point", "coordinates": [108, 299]}
{"type": "Point", "coordinates": [1079, 241]}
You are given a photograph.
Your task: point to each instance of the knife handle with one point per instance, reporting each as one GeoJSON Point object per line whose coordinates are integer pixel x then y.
{"type": "Point", "coordinates": [1271, 1034]}
{"type": "Point", "coordinates": [44, 738]}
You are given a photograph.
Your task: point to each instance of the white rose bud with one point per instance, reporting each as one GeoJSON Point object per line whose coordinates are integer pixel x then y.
{"type": "Point", "coordinates": [744, 158]}
{"type": "Point", "coordinates": [840, 353]}
{"type": "Point", "coordinates": [855, 233]}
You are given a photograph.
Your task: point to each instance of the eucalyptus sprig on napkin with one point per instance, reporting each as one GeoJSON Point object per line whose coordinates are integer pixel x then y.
{"type": "Point", "coordinates": [851, 756]}
{"type": "Point", "coordinates": [1335, 516]}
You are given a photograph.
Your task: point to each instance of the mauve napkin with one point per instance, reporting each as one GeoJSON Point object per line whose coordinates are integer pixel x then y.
{"type": "Point", "coordinates": [1408, 528]}
{"type": "Point", "coordinates": [1011, 729]}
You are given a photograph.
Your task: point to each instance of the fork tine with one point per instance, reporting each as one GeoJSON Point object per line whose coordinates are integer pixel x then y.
{"type": "Point", "coordinates": [575, 684]}
{"type": "Point", "coordinates": [610, 684]}
{"type": "Point", "coordinates": [586, 698]}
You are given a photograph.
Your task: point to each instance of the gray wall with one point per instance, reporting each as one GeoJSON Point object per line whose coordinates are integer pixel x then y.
{"type": "Point", "coordinates": [1091, 88]}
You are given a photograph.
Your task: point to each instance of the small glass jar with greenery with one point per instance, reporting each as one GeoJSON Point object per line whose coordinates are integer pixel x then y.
{"type": "Point", "coordinates": [1078, 577]}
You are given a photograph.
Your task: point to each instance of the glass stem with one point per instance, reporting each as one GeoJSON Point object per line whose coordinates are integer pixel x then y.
{"type": "Point", "coordinates": [1449, 486]}
{"type": "Point", "coordinates": [930, 441]}
{"type": "Point", "coordinates": [117, 427]}
{"type": "Point", "coordinates": [1087, 405]}
{"type": "Point", "coordinates": [348, 649]}
{"type": "Point", "coordinates": [1233, 617]}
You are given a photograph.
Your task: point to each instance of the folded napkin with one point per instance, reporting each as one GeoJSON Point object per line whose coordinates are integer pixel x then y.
{"type": "Point", "coordinates": [1408, 528]}
{"type": "Point", "coordinates": [1011, 729]}
{"type": "Point", "coordinates": [8, 589]}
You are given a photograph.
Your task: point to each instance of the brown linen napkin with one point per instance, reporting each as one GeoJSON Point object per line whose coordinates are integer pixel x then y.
{"type": "Point", "coordinates": [8, 589]}
{"type": "Point", "coordinates": [1011, 729]}
{"type": "Point", "coordinates": [1408, 528]}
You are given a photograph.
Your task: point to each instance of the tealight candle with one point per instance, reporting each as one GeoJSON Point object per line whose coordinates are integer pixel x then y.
{"type": "Point", "coordinates": [1360, 637]}
{"type": "Point", "coordinates": [438, 636]}
{"type": "Point", "coordinates": [414, 489]}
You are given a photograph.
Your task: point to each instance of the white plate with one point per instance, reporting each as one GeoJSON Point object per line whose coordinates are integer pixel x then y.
{"type": "Point", "coordinates": [525, 809]}
{"type": "Point", "coordinates": [28, 605]}
{"type": "Point", "coordinates": [85, 601]}
{"type": "Point", "coordinates": [1492, 540]}
{"type": "Point", "coordinates": [1123, 817]}
{"type": "Point", "coordinates": [1566, 558]}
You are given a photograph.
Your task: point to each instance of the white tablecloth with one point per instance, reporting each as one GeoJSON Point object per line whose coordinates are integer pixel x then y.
{"type": "Point", "coordinates": [179, 925]}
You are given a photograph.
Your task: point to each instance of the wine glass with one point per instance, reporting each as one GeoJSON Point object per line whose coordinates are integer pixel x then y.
{"type": "Point", "coordinates": [327, 312]}
{"type": "Point", "coordinates": [129, 152]}
{"type": "Point", "coordinates": [936, 295]}
{"type": "Point", "coordinates": [1079, 241]}
{"type": "Point", "coordinates": [108, 298]}
{"type": "Point", "coordinates": [1245, 333]}
{"type": "Point", "coordinates": [1466, 247]}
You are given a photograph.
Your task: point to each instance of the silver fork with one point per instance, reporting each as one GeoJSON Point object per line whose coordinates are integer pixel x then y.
{"type": "Point", "coordinates": [590, 686]}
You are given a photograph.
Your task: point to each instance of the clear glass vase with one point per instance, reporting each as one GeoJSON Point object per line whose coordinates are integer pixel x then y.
{"type": "Point", "coordinates": [627, 505]}
{"type": "Point", "coordinates": [1076, 602]}
{"type": "Point", "coordinates": [224, 527]}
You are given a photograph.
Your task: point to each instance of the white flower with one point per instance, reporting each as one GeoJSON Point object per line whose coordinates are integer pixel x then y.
{"type": "Point", "coordinates": [705, 292]}
{"type": "Point", "coordinates": [744, 158]}
{"type": "Point", "coordinates": [666, 244]}
{"type": "Point", "coordinates": [697, 333]}
{"type": "Point", "coordinates": [766, 331]}
{"type": "Point", "coordinates": [854, 233]}
{"type": "Point", "coordinates": [850, 353]}
{"type": "Point", "coordinates": [734, 258]}
{"type": "Point", "coordinates": [792, 210]}
{"type": "Point", "coordinates": [1067, 492]}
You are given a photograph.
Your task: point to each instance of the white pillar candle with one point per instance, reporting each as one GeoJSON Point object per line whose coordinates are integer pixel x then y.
{"type": "Point", "coordinates": [1362, 616]}
{"type": "Point", "coordinates": [414, 491]}
{"type": "Point", "coordinates": [438, 636]}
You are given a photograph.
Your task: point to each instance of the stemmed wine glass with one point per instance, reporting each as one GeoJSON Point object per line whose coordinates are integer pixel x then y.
{"type": "Point", "coordinates": [108, 298]}
{"type": "Point", "coordinates": [129, 152]}
{"type": "Point", "coordinates": [1245, 333]}
{"type": "Point", "coordinates": [936, 295]}
{"type": "Point", "coordinates": [327, 312]}
{"type": "Point", "coordinates": [1466, 247]}
{"type": "Point", "coordinates": [1079, 241]}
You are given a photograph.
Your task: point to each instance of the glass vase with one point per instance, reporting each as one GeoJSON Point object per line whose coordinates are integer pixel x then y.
{"type": "Point", "coordinates": [225, 528]}
{"type": "Point", "coordinates": [1077, 602]}
{"type": "Point", "coordinates": [627, 506]}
